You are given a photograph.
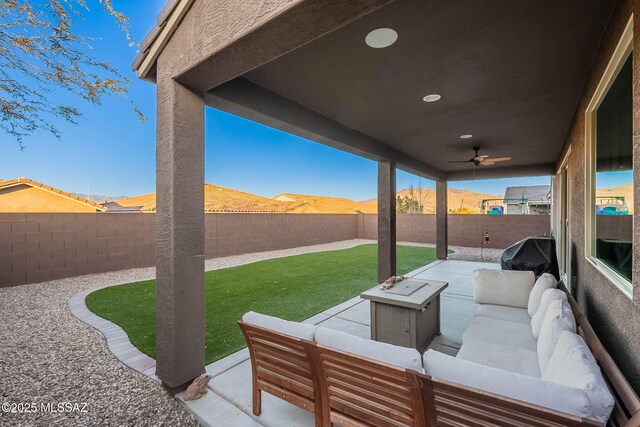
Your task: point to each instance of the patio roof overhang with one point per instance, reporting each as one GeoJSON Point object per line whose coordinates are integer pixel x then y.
{"type": "Point", "coordinates": [510, 73]}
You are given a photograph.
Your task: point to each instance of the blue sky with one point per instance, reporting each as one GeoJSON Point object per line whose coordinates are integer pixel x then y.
{"type": "Point", "coordinates": [113, 153]}
{"type": "Point", "coordinates": [613, 179]}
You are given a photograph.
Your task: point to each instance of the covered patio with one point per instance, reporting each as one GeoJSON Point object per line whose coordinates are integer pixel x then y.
{"type": "Point", "coordinates": [409, 84]}
{"type": "Point", "coordinates": [228, 401]}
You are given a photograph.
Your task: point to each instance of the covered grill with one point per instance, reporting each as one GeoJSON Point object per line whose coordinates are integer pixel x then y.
{"type": "Point", "coordinates": [537, 254]}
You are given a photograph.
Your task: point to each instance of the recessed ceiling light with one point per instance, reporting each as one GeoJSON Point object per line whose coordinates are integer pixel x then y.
{"type": "Point", "coordinates": [382, 37]}
{"type": "Point", "coordinates": [466, 136]}
{"type": "Point", "coordinates": [432, 98]}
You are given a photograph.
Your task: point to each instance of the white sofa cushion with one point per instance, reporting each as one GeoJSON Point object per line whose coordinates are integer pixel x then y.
{"type": "Point", "coordinates": [392, 354]}
{"type": "Point", "coordinates": [551, 395]}
{"type": "Point", "coordinates": [500, 356]}
{"type": "Point", "coordinates": [504, 332]}
{"type": "Point", "coordinates": [544, 282]}
{"type": "Point", "coordinates": [502, 312]}
{"type": "Point", "coordinates": [503, 287]}
{"type": "Point", "coordinates": [558, 319]}
{"type": "Point", "coordinates": [293, 329]}
{"type": "Point", "coordinates": [572, 364]}
{"type": "Point", "coordinates": [547, 296]}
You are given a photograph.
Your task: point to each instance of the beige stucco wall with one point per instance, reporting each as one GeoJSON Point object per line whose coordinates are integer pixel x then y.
{"type": "Point", "coordinates": [614, 316]}
{"type": "Point", "coordinates": [25, 198]}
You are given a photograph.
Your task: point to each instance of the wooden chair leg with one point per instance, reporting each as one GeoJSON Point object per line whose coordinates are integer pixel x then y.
{"type": "Point", "coordinates": [257, 400]}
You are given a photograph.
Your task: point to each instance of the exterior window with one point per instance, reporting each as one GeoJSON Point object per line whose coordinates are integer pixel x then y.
{"type": "Point", "coordinates": [609, 200]}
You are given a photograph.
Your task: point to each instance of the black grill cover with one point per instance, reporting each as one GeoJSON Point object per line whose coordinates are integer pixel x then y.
{"type": "Point", "coordinates": [537, 254]}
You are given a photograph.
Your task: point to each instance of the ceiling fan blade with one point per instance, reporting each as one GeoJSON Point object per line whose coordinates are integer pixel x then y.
{"type": "Point", "coordinates": [487, 163]}
{"type": "Point", "coordinates": [460, 161]}
{"type": "Point", "coordinates": [464, 164]}
{"type": "Point", "coordinates": [499, 159]}
{"type": "Point", "coordinates": [485, 156]}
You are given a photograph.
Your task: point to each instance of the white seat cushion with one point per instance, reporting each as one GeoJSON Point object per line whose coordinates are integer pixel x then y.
{"type": "Point", "coordinates": [293, 329]}
{"type": "Point", "coordinates": [502, 332]}
{"type": "Point", "coordinates": [544, 282]}
{"type": "Point", "coordinates": [403, 357]}
{"type": "Point", "coordinates": [547, 296]}
{"type": "Point", "coordinates": [572, 364]}
{"type": "Point", "coordinates": [502, 312]}
{"type": "Point", "coordinates": [551, 395]}
{"type": "Point", "coordinates": [558, 319]}
{"type": "Point", "coordinates": [503, 287]}
{"type": "Point", "coordinates": [499, 356]}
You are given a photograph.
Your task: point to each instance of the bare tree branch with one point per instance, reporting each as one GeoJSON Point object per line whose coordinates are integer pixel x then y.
{"type": "Point", "coordinates": [40, 53]}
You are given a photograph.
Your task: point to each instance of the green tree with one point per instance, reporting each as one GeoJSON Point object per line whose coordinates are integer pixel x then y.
{"type": "Point", "coordinates": [412, 201]}
{"type": "Point", "coordinates": [40, 52]}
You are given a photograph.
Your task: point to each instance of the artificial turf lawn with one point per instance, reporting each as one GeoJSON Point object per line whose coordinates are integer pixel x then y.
{"type": "Point", "coordinates": [293, 288]}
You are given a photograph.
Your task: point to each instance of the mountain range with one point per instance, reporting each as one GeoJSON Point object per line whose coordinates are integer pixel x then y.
{"type": "Point", "coordinates": [463, 201]}
{"type": "Point", "coordinates": [625, 191]}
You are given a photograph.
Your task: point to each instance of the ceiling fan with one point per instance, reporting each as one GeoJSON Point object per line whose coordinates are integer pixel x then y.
{"type": "Point", "coordinates": [479, 160]}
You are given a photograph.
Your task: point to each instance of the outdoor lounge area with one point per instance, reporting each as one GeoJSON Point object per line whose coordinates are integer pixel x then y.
{"type": "Point", "coordinates": [486, 343]}
{"type": "Point", "coordinates": [524, 88]}
{"type": "Point", "coordinates": [229, 401]}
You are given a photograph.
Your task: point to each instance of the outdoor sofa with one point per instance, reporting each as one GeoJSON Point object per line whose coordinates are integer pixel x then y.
{"type": "Point", "coordinates": [521, 363]}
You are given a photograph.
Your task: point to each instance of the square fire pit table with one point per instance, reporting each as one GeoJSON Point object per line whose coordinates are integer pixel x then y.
{"type": "Point", "coordinates": [407, 314]}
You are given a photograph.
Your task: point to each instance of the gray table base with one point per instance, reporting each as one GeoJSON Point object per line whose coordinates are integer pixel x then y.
{"type": "Point", "coordinates": [403, 326]}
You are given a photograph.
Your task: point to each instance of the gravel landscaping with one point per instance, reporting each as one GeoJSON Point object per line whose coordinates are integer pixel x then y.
{"type": "Point", "coordinates": [49, 357]}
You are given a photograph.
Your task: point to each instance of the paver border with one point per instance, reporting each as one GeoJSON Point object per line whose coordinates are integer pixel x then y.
{"type": "Point", "coordinates": [117, 339]}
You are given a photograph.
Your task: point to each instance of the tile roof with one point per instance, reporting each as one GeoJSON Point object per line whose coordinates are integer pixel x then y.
{"type": "Point", "coordinates": [217, 199]}
{"type": "Point", "coordinates": [115, 207]}
{"type": "Point", "coordinates": [533, 193]}
{"type": "Point", "coordinates": [160, 33]}
{"type": "Point", "coordinates": [30, 182]}
{"type": "Point", "coordinates": [144, 203]}
{"type": "Point", "coordinates": [304, 203]}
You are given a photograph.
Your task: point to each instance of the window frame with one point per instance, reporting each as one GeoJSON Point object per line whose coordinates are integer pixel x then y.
{"type": "Point", "coordinates": [623, 50]}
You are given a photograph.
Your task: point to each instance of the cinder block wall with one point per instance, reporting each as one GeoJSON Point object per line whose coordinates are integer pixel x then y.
{"type": "Point", "coordinates": [614, 226]}
{"type": "Point", "coordinates": [238, 233]}
{"type": "Point", "coordinates": [465, 230]}
{"type": "Point", "coordinates": [39, 247]}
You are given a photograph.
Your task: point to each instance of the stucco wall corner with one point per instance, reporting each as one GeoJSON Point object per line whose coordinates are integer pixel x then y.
{"type": "Point", "coordinates": [614, 316]}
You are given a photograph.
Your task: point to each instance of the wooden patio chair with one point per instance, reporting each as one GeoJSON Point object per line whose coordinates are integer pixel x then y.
{"type": "Point", "coordinates": [282, 365]}
{"type": "Point", "coordinates": [359, 392]}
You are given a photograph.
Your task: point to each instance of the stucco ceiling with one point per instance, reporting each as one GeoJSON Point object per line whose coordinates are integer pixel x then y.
{"type": "Point", "coordinates": [509, 72]}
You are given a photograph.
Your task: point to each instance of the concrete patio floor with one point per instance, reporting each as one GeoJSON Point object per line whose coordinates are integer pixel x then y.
{"type": "Point", "coordinates": [229, 401]}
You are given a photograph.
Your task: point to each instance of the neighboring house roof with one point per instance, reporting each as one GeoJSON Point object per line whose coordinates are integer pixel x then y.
{"type": "Point", "coordinates": [166, 23]}
{"type": "Point", "coordinates": [115, 207]}
{"type": "Point", "coordinates": [144, 203]}
{"type": "Point", "coordinates": [538, 194]}
{"type": "Point", "coordinates": [304, 203]}
{"type": "Point", "coordinates": [216, 199]}
{"type": "Point", "coordinates": [4, 184]}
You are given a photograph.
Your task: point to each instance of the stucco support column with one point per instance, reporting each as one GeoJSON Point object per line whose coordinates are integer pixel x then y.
{"type": "Point", "coordinates": [386, 219]}
{"type": "Point", "coordinates": [179, 234]}
{"type": "Point", "coordinates": [442, 238]}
